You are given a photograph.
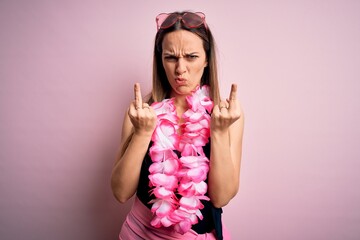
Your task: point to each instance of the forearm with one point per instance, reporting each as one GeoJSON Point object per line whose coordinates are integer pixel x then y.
{"type": "Point", "coordinates": [126, 172]}
{"type": "Point", "coordinates": [223, 181]}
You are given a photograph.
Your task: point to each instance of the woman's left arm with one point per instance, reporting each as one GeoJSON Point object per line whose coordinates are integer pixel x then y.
{"type": "Point", "coordinates": [227, 124]}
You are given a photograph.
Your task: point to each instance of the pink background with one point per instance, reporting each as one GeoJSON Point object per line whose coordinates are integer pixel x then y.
{"type": "Point", "coordinates": [66, 74]}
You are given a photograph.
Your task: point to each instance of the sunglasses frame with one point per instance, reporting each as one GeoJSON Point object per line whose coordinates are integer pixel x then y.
{"type": "Point", "coordinates": [162, 17]}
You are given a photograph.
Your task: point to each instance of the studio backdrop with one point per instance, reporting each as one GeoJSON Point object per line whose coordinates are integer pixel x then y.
{"type": "Point", "coordinates": [67, 70]}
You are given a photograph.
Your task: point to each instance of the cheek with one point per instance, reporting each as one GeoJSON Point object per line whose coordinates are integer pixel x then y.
{"type": "Point", "coordinates": [168, 67]}
{"type": "Point", "coordinates": [201, 64]}
{"type": "Point", "coordinates": [169, 71]}
{"type": "Point", "coordinates": [200, 68]}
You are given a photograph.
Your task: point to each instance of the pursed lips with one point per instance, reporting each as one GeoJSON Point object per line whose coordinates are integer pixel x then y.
{"type": "Point", "coordinates": [180, 81]}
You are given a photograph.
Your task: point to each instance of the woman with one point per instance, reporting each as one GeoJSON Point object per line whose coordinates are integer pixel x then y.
{"type": "Point", "coordinates": [181, 150]}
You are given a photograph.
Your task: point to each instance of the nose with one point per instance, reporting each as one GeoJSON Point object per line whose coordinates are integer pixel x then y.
{"type": "Point", "coordinates": [180, 67]}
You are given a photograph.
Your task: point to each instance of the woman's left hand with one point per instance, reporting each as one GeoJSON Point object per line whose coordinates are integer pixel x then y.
{"type": "Point", "coordinates": [226, 112]}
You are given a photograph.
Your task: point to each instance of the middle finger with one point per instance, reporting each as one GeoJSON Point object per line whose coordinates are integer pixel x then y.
{"type": "Point", "coordinates": [138, 97]}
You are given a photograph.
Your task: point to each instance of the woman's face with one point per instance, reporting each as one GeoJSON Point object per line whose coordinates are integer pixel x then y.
{"type": "Point", "coordinates": [184, 60]}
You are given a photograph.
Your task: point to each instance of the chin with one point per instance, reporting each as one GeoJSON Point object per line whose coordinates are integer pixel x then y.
{"type": "Point", "coordinates": [184, 90]}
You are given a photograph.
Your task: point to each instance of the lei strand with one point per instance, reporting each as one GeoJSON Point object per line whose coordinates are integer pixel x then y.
{"type": "Point", "coordinates": [178, 183]}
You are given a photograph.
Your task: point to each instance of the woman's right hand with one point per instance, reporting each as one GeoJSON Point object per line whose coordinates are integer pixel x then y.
{"type": "Point", "coordinates": [142, 116]}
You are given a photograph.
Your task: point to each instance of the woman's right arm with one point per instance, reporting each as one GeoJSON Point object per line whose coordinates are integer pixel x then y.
{"type": "Point", "coordinates": [139, 124]}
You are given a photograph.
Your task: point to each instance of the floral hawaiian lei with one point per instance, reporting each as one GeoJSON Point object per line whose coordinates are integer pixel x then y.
{"type": "Point", "coordinates": [178, 181]}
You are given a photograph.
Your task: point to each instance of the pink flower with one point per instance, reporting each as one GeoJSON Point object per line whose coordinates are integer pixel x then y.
{"type": "Point", "coordinates": [163, 193]}
{"type": "Point", "coordinates": [171, 176]}
{"type": "Point", "coordinates": [188, 149]}
{"type": "Point", "coordinates": [197, 126]}
{"type": "Point", "coordinates": [165, 221]}
{"type": "Point", "coordinates": [198, 174]}
{"type": "Point", "coordinates": [165, 135]}
{"type": "Point", "coordinates": [160, 179]}
{"type": "Point", "coordinates": [161, 221]}
{"type": "Point", "coordinates": [193, 116]}
{"type": "Point", "coordinates": [183, 226]}
{"type": "Point", "coordinates": [192, 202]}
{"type": "Point", "coordinates": [165, 107]}
{"type": "Point", "coordinates": [169, 167]}
{"type": "Point", "coordinates": [158, 153]}
{"type": "Point", "coordinates": [162, 208]}
{"type": "Point", "coordinates": [162, 110]}
{"type": "Point", "coordinates": [188, 189]}
{"type": "Point", "coordinates": [194, 161]}
{"type": "Point", "coordinates": [190, 214]}
{"type": "Point", "coordinates": [197, 138]}
{"type": "Point", "coordinates": [200, 99]}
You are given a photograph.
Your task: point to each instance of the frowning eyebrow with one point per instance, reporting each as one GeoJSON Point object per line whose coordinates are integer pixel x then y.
{"type": "Point", "coordinates": [173, 54]}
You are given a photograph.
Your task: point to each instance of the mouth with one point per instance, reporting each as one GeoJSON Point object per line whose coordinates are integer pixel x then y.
{"type": "Point", "coordinates": [180, 81]}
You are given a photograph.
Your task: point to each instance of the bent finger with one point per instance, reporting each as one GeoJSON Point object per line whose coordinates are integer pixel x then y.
{"type": "Point", "coordinates": [132, 109]}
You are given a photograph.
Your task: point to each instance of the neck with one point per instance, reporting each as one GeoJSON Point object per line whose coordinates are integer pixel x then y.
{"type": "Point", "coordinates": [181, 105]}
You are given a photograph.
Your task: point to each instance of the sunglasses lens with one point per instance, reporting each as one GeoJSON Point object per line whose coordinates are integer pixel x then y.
{"type": "Point", "coordinates": [160, 19]}
{"type": "Point", "coordinates": [193, 20]}
{"type": "Point", "coordinates": [167, 21]}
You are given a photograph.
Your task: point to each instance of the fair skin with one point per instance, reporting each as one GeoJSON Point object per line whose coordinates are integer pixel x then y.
{"type": "Point", "coordinates": [184, 60]}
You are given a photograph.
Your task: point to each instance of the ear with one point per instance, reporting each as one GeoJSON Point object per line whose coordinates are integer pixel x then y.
{"type": "Point", "coordinates": [206, 64]}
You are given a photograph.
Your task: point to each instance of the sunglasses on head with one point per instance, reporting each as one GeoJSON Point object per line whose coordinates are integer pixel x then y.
{"type": "Point", "coordinates": [189, 19]}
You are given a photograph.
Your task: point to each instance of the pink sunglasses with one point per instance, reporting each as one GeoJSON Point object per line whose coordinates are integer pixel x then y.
{"type": "Point", "coordinates": [189, 19]}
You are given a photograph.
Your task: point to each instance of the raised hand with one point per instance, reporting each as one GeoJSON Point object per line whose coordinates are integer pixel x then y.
{"type": "Point", "coordinates": [142, 116]}
{"type": "Point", "coordinates": [226, 112]}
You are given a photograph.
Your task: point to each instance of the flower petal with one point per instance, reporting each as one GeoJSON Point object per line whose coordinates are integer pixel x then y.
{"type": "Point", "coordinates": [160, 179]}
